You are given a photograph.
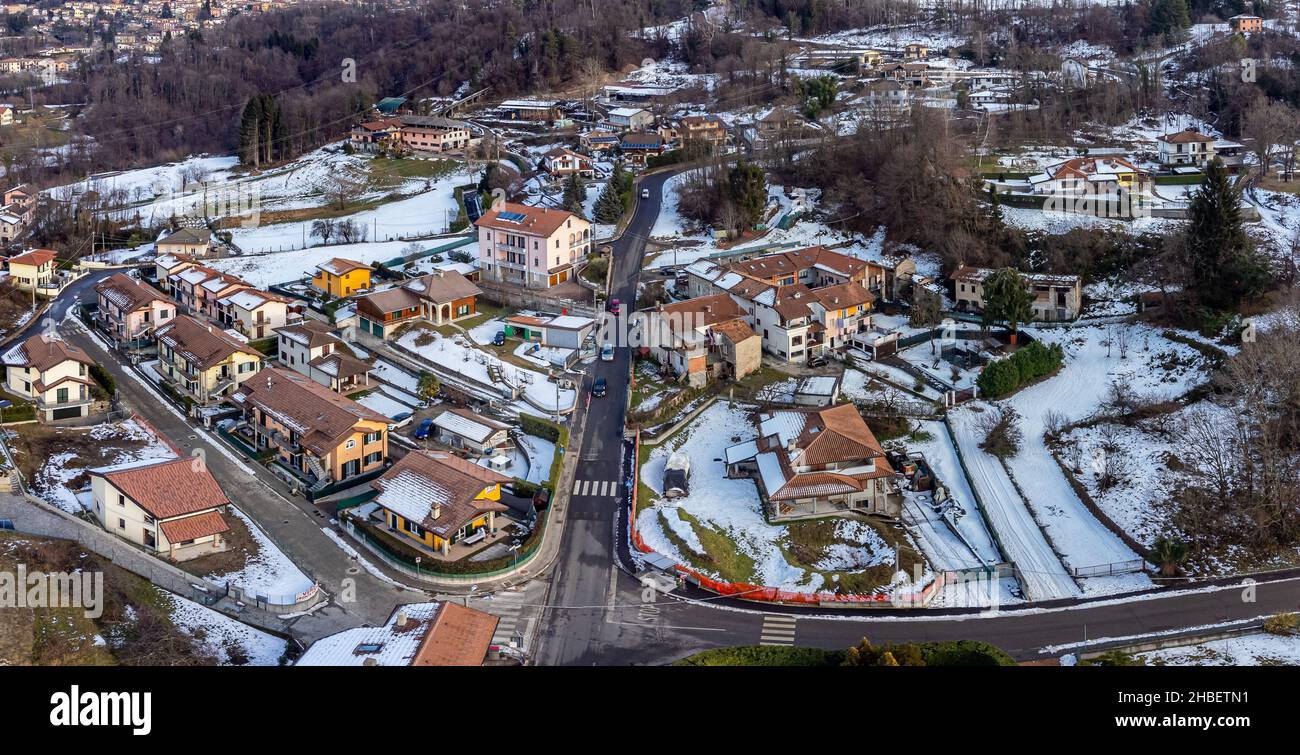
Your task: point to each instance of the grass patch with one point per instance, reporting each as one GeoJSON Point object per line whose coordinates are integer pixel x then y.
{"type": "Point", "coordinates": [721, 556]}
{"type": "Point", "coordinates": [764, 655]}
{"type": "Point", "coordinates": [808, 542]}
{"type": "Point", "coordinates": [389, 173]}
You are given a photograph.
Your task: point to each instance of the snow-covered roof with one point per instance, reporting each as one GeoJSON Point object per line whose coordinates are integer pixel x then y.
{"type": "Point", "coordinates": [770, 471]}
{"type": "Point", "coordinates": [464, 426]}
{"type": "Point", "coordinates": [386, 645]}
{"type": "Point", "coordinates": [785, 425]}
{"type": "Point", "coordinates": [569, 322]}
{"type": "Point", "coordinates": [741, 451]}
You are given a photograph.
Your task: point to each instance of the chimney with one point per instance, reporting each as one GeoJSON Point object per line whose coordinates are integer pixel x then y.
{"type": "Point", "coordinates": [401, 619]}
{"type": "Point", "coordinates": [789, 445]}
{"type": "Point", "coordinates": [437, 511]}
{"type": "Point", "coordinates": [370, 662]}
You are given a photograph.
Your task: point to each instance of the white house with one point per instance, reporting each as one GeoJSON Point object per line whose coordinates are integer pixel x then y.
{"type": "Point", "coordinates": [172, 508]}
{"type": "Point", "coordinates": [53, 374]}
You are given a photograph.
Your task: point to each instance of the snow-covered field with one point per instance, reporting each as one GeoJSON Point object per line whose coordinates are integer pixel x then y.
{"type": "Point", "coordinates": [733, 507]}
{"type": "Point", "coordinates": [52, 481]}
{"type": "Point", "coordinates": [222, 636]}
{"type": "Point", "coordinates": [1258, 649]}
{"type": "Point", "coordinates": [458, 356]}
{"type": "Point", "coordinates": [282, 267]}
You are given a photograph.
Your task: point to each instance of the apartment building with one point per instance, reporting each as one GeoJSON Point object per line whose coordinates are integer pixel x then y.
{"type": "Point", "coordinates": [535, 247]}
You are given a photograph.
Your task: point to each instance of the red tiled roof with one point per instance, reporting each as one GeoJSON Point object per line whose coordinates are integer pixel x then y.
{"type": "Point", "coordinates": [169, 488]}
{"type": "Point", "coordinates": [194, 527]}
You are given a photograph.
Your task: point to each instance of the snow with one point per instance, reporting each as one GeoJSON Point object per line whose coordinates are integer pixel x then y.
{"type": "Point", "coordinates": [540, 453]}
{"type": "Point", "coordinates": [733, 507]}
{"type": "Point", "coordinates": [454, 355]}
{"type": "Point", "coordinates": [52, 480]}
{"type": "Point", "coordinates": [394, 375]}
{"type": "Point", "coordinates": [384, 404]}
{"type": "Point", "coordinates": [263, 270]}
{"type": "Point", "coordinates": [972, 531]}
{"type": "Point", "coordinates": [269, 572]}
{"type": "Point", "coordinates": [217, 633]}
{"type": "Point", "coordinates": [1255, 649]}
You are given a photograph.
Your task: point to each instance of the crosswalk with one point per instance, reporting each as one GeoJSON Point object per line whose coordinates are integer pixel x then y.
{"type": "Point", "coordinates": [777, 630]}
{"type": "Point", "coordinates": [510, 627]}
{"type": "Point", "coordinates": [597, 488]}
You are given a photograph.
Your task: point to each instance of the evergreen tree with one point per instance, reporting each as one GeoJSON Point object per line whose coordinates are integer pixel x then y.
{"type": "Point", "coordinates": [747, 188]}
{"type": "Point", "coordinates": [575, 193]}
{"type": "Point", "coordinates": [609, 206]}
{"type": "Point", "coordinates": [1223, 264]}
{"type": "Point", "coordinates": [250, 132]}
{"type": "Point", "coordinates": [1007, 299]}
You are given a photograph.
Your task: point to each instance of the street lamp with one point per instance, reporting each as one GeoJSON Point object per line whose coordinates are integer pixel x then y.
{"type": "Point", "coordinates": [419, 558]}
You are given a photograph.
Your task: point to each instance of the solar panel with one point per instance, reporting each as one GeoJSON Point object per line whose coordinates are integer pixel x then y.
{"type": "Point", "coordinates": [513, 217]}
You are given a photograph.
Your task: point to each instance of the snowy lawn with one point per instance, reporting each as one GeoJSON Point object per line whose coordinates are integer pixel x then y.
{"type": "Point", "coordinates": [231, 642]}
{"type": "Point", "coordinates": [720, 529]}
{"type": "Point", "coordinates": [1259, 649]}
{"type": "Point", "coordinates": [268, 572]}
{"type": "Point", "coordinates": [60, 457]}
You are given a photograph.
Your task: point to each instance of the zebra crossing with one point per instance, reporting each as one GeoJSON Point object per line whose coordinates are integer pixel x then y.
{"type": "Point", "coordinates": [511, 628]}
{"type": "Point", "coordinates": [597, 488]}
{"type": "Point", "coordinates": [777, 630]}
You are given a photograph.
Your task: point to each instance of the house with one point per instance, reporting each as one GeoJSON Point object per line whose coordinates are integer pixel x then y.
{"type": "Point", "coordinates": [11, 224]}
{"type": "Point", "coordinates": [192, 242]}
{"type": "Point", "coordinates": [208, 294]}
{"type": "Point", "coordinates": [1246, 24]}
{"type": "Point", "coordinates": [1106, 176]}
{"type": "Point", "coordinates": [202, 361]}
{"type": "Point", "coordinates": [312, 349]}
{"type": "Point", "coordinates": [168, 265]}
{"type": "Point", "coordinates": [915, 75]}
{"type": "Point", "coordinates": [703, 339]}
{"type": "Point", "coordinates": [630, 119]}
{"type": "Point", "coordinates": [566, 162]}
{"type": "Point", "coordinates": [915, 51]}
{"type": "Point", "coordinates": [888, 96]}
{"type": "Point", "coordinates": [22, 199]}
{"type": "Point", "coordinates": [1187, 147]}
{"type": "Point", "coordinates": [129, 310]}
{"type": "Point", "coordinates": [708, 131]}
{"type": "Point", "coordinates": [777, 122]}
{"type": "Point", "coordinates": [373, 135]}
{"type": "Point", "coordinates": [535, 247]}
{"type": "Point", "coordinates": [340, 277]}
{"type": "Point", "coordinates": [171, 508]}
{"type": "Point", "coordinates": [638, 146]}
{"type": "Point", "coordinates": [437, 499]}
{"type": "Point", "coordinates": [440, 297]}
{"type": "Point", "coordinates": [6, 115]}
{"type": "Point", "coordinates": [53, 374]}
{"type": "Point", "coordinates": [817, 462]}
{"type": "Point", "coordinates": [416, 634]}
{"type": "Point", "coordinates": [461, 428]}
{"type": "Point", "coordinates": [33, 270]}
{"type": "Point", "coordinates": [598, 140]}
{"type": "Point", "coordinates": [318, 434]}
{"type": "Point", "coordinates": [1056, 297]}
{"type": "Point", "coordinates": [430, 133]}
{"type": "Point", "coordinates": [255, 314]}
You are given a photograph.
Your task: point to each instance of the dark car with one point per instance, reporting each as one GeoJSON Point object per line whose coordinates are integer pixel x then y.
{"type": "Point", "coordinates": [598, 388]}
{"type": "Point", "coordinates": [817, 361]}
{"type": "Point", "coordinates": [499, 339]}
{"type": "Point", "coordinates": [422, 431]}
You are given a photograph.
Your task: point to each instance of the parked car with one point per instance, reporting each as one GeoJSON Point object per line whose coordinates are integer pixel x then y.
{"type": "Point", "coordinates": [499, 339]}
{"type": "Point", "coordinates": [599, 387]}
{"type": "Point", "coordinates": [614, 306]}
{"type": "Point", "coordinates": [607, 353]}
{"type": "Point", "coordinates": [645, 193]}
{"type": "Point", "coordinates": [818, 360]}
{"type": "Point", "coordinates": [422, 431]}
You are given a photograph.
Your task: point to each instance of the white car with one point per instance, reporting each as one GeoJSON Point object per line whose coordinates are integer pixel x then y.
{"type": "Point", "coordinates": [607, 352]}
{"type": "Point", "coordinates": [645, 193]}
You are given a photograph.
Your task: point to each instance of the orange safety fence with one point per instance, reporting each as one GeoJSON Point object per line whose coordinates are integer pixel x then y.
{"type": "Point", "coordinates": [771, 594]}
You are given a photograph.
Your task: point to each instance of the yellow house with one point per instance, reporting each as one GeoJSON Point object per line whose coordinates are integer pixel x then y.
{"type": "Point", "coordinates": [341, 277]}
{"type": "Point", "coordinates": [439, 500]}
{"type": "Point", "coordinates": [323, 436]}
{"type": "Point", "coordinates": [33, 269]}
{"type": "Point", "coordinates": [202, 361]}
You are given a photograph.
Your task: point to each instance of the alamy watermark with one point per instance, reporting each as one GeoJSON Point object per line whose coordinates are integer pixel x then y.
{"type": "Point", "coordinates": [24, 589]}
{"type": "Point", "coordinates": [1099, 199]}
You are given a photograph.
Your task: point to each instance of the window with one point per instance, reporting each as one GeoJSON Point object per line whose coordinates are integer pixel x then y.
{"type": "Point", "coordinates": [373, 437]}
{"type": "Point", "coordinates": [415, 529]}
{"type": "Point", "coordinates": [374, 458]}
{"type": "Point", "coordinates": [121, 500]}
{"type": "Point", "coordinates": [121, 523]}
{"type": "Point", "coordinates": [351, 444]}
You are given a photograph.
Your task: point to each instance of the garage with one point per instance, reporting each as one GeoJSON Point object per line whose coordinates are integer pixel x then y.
{"type": "Point", "coordinates": [67, 412]}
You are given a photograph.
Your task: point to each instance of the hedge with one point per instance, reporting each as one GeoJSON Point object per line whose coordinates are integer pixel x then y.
{"type": "Point", "coordinates": [104, 378]}
{"type": "Point", "coordinates": [1029, 363]}
{"type": "Point", "coordinates": [18, 413]}
{"type": "Point", "coordinates": [542, 428]}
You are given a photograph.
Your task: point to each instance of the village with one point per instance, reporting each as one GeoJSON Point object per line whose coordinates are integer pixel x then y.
{"type": "Point", "coordinates": [481, 332]}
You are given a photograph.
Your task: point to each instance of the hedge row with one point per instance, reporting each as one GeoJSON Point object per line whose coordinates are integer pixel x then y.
{"type": "Point", "coordinates": [1028, 363]}
{"type": "Point", "coordinates": [543, 429]}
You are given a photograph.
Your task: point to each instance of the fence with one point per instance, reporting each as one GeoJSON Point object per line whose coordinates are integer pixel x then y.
{"type": "Point", "coordinates": [523, 557]}
{"type": "Point", "coordinates": [1105, 570]}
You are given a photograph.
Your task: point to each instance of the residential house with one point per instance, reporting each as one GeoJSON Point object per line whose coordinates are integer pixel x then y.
{"type": "Point", "coordinates": [374, 135]}
{"type": "Point", "coordinates": [598, 140]}
{"type": "Point", "coordinates": [202, 361]}
{"type": "Point", "coordinates": [321, 435]}
{"type": "Point", "coordinates": [168, 265]}
{"type": "Point", "coordinates": [54, 374]}
{"type": "Point", "coordinates": [1100, 176]}
{"type": "Point", "coordinates": [565, 162]}
{"type": "Point", "coordinates": [639, 146]}
{"type": "Point", "coordinates": [630, 119]}
{"type": "Point", "coordinates": [1056, 297]}
{"type": "Point", "coordinates": [209, 294]}
{"type": "Point", "coordinates": [915, 51]}
{"type": "Point", "coordinates": [172, 508]}
{"type": "Point", "coordinates": [887, 96]}
{"type": "Point", "coordinates": [461, 428]}
{"type": "Point", "coordinates": [914, 75]}
{"type": "Point", "coordinates": [708, 131]}
{"type": "Point", "coordinates": [22, 200]}
{"type": "Point", "coordinates": [192, 242]}
{"type": "Point", "coordinates": [6, 115]}
{"type": "Point", "coordinates": [438, 500]}
{"type": "Point", "coordinates": [703, 339]}
{"type": "Point", "coordinates": [440, 297]}
{"type": "Point", "coordinates": [129, 310]}
{"type": "Point", "coordinates": [311, 348]}
{"type": "Point", "coordinates": [534, 247]}
{"type": "Point", "coordinates": [1246, 24]}
{"type": "Point", "coordinates": [34, 270]}
{"type": "Point", "coordinates": [817, 462]}
{"type": "Point", "coordinates": [11, 225]}
{"type": "Point", "coordinates": [779, 122]}
{"type": "Point", "coordinates": [340, 277]}
{"type": "Point", "coordinates": [431, 133]}
{"type": "Point", "coordinates": [255, 314]}
{"type": "Point", "coordinates": [416, 634]}
{"type": "Point", "coordinates": [1187, 147]}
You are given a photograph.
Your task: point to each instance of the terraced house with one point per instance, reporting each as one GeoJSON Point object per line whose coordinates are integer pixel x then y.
{"type": "Point", "coordinates": [440, 500]}
{"type": "Point", "coordinates": [535, 247]}
{"type": "Point", "coordinates": [322, 436]}
{"type": "Point", "coordinates": [311, 348]}
{"type": "Point", "coordinates": [53, 374]}
{"type": "Point", "coordinates": [202, 361]}
{"type": "Point", "coordinates": [130, 311]}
